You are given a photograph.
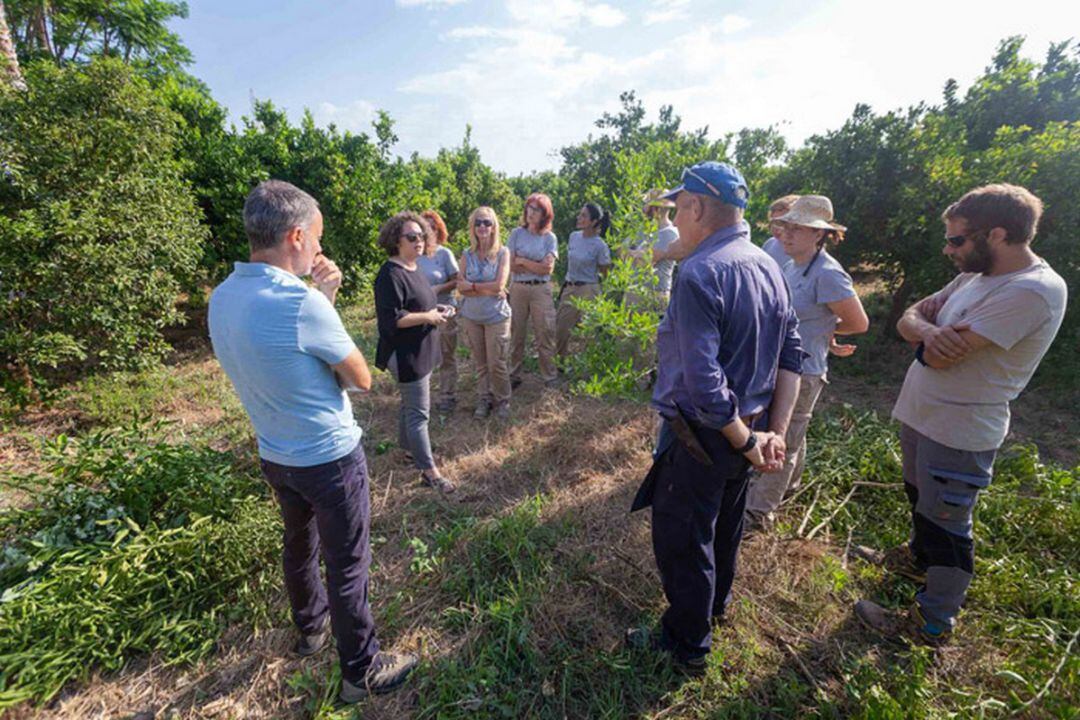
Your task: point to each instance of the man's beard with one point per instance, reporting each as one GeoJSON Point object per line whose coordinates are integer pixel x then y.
{"type": "Point", "coordinates": [980, 259]}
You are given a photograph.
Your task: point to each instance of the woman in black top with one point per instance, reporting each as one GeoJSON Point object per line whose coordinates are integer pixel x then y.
{"type": "Point", "coordinates": [408, 321]}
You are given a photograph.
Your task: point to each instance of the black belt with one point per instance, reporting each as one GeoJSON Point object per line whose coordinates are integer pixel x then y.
{"type": "Point", "coordinates": [532, 282]}
{"type": "Point", "coordinates": [578, 283]}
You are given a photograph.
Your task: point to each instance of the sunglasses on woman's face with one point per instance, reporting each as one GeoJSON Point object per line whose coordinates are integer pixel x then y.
{"type": "Point", "coordinates": [534, 207]}
{"type": "Point", "coordinates": [412, 237]}
{"type": "Point", "coordinates": [482, 222]}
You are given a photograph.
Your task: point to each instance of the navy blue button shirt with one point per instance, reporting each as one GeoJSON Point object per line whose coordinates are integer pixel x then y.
{"type": "Point", "coordinates": [729, 326]}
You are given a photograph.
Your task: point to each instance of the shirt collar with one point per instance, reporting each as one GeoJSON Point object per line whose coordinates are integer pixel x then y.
{"type": "Point", "coordinates": [722, 236]}
{"type": "Point", "coordinates": [261, 269]}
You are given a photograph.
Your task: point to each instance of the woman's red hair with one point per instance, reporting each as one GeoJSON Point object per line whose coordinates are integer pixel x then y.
{"type": "Point", "coordinates": [544, 203]}
{"type": "Point", "coordinates": [438, 229]}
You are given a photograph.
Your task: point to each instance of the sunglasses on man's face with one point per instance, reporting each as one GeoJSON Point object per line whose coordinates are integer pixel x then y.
{"type": "Point", "coordinates": [959, 240]}
{"type": "Point", "coordinates": [412, 237]}
{"type": "Point", "coordinates": [483, 222]}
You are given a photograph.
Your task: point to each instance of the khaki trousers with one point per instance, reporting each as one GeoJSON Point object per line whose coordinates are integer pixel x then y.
{"type": "Point", "coordinates": [567, 317]}
{"type": "Point", "coordinates": [489, 345]}
{"type": "Point", "coordinates": [532, 303]}
{"type": "Point", "coordinates": [767, 490]}
{"type": "Point", "coordinates": [448, 342]}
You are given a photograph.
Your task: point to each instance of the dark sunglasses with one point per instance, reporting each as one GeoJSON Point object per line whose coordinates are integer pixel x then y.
{"type": "Point", "coordinates": [959, 240]}
{"type": "Point", "coordinates": [482, 223]}
{"type": "Point", "coordinates": [537, 208]}
{"type": "Point", "coordinates": [413, 237]}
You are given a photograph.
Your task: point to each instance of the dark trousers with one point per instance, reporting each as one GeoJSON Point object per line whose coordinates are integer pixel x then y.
{"type": "Point", "coordinates": [326, 508]}
{"type": "Point", "coordinates": [697, 523]}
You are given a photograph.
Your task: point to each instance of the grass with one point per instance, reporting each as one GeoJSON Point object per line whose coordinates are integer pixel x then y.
{"type": "Point", "coordinates": [517, 591]}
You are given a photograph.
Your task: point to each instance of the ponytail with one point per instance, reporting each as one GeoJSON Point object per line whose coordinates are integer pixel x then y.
{"type": "Point", "coordinates": [600, 216]}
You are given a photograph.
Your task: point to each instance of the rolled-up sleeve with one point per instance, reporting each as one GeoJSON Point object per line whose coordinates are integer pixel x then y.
{"type": "Point", "coordinates": [698, 336]}
{"type": "Point", "coordinates": [389, 304]}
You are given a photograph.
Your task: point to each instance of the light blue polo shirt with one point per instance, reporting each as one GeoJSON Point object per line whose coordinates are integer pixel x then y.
{"type": "Point", "coordinates": [276, 339]}
{"type": "Point", "coordinates": [812, 289]}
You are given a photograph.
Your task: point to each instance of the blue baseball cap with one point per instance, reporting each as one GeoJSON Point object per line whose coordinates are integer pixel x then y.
{"type": "Point", "coordinates": [715, 179]}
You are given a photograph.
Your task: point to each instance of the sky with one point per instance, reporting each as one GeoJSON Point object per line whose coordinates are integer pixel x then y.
{"type": "Point", "coordinates": [532, 76]}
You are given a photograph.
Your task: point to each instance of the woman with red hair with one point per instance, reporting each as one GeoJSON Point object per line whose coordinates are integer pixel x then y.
{"type": "Point", "coordinates": [533, 250]}
{"type": "Point", "coordinates": [441, 270]}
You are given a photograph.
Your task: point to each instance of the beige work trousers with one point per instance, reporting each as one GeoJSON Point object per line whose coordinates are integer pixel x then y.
{"type": "Point", "coordinates": [567, 317]}
{"type": "Point", "coordinates": [448, 342]}
{"type": "Point", "coordinates": [490, 346]}
{"type": "Point", "coordinates": [766, 490]}
{"type": "Point", "coordinates": [532, 304]}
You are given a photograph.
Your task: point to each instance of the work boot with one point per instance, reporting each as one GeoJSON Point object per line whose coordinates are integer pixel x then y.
{"type": "Point", "coordinates": [895, 624]}
{"type": "Point", "coordinates": [308, 645]}
{"type": "Point", "coordinates": [440, 483]}
{"type": "Point", "coordinates": [483, 409]}
{"type": "Point", "coordinates": [898, 560]}
{"type": "Point", "coordinates": [446, 407]}
{"type": "Point", "coordinates": [643, 638]}
{"type": "Point", "coordinates": [502, 411]}
{"type": "Point", "coordinates": [386, 673]}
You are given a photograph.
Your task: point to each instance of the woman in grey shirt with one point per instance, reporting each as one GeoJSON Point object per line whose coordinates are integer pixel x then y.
{"type": "Point", "coordinates": [533, 251]}
{"type": "Point", "coordinates": [485, 314]}
{"type": "Point", "coordinates": [826, 304]}
{"type": "Point", "coordinates": [587, 258]}
{"type": "Point", "coordinates": [441, 270]}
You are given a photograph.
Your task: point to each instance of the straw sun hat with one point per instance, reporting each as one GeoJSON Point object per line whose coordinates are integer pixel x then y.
{"type": "Point", "coordinates": [812, 211]}
{"type": "Point", "coordinates": [654, 198]}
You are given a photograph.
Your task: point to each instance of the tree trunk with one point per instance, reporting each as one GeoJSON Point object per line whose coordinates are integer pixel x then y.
{"type": "Point", "coordinates": [9, 62]}
{"type": "Point", "coordinates": [900, 298]}
{"type": "Point", "coordinates": [41, 28]}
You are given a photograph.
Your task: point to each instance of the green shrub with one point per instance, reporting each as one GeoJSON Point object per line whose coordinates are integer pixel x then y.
{"type": "Point", "coordinates": [97, 228]}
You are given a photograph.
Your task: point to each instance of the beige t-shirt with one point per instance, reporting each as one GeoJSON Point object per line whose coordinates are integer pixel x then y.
{"type": "Point", "coordinates": [966, 406]}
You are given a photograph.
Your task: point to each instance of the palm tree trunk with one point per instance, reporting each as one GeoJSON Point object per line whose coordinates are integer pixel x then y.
{"type": "Point", "coordinates": [9, 62]}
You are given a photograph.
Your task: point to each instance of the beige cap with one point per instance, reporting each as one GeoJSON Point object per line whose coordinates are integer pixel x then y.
{"type": "Point", "coordinates": [654, 198]}
{"type": "Point", "coordinates": [812, 211]}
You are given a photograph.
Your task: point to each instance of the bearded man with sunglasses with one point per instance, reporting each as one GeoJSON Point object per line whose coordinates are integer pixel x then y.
{"type": "Point", "coordinates": [978, 341]}
{"type": "Point", "coordinates": [729, 358]}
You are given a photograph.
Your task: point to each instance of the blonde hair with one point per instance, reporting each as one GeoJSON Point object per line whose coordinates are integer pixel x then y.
{"type": "Point", "coordinates": [496, 241]}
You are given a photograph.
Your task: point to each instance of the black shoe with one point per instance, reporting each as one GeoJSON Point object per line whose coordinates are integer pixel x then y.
{"type": "Point", "coordinates": [308, 645]}
{"type": "Point", "coordinates": [515, 383]}
{"type": "Point", "coordinates": [386, 673]}
{"type": "Point", "coordinates": [643, 638]}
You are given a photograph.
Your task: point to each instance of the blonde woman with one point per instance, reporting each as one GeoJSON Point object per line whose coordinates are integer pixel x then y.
{"type": "Point", "coordinates": [485, 313]}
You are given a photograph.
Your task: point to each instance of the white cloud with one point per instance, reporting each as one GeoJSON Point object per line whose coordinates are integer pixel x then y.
{"type": "Point", "coordinates": [669, 11]}
{"type": "Point", "coordinates": [355, 117]}
{"type": "Point", "coordinates": [427, 3]}
{"type": "Point", "coordinates": [560, 13]}
{"type": "Point", "coordinates": [731, 24]}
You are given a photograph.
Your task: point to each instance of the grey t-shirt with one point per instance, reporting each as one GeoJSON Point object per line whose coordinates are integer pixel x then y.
{"type": "Point", "coordinates": [484, 309]}
{"type": "Point", "coordinates": [439, 268]}
{"type": "Point", "coordinates": [665, 268]}
{"type": "Point", "coordinates": [775, 249]}
{"type": "Point", "coordinates": [966, 406]}
{"type": "Point", "coordinates": [826, 281]}
{"type": "Point", "coordinates": [532, 247]}
{"type": "Point", "coordinates": [584, 257]}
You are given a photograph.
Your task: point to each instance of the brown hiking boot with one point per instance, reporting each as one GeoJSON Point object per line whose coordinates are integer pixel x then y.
{"type": "Point", "coordinates": [308, 645]}
{"type": "Point", "coordinates": [896, 623]}
{"type": "Point", "coordinates": [386, 673]}
{"type": "Point", "coordinates": [898, 560]}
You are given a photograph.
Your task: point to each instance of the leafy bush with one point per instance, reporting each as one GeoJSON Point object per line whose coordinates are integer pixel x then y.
{"type": "Point", "coordinates": [97, 228]}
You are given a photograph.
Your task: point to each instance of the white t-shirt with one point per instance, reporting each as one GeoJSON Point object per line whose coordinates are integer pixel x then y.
{"type": "Point", "coordinates": [966, 406]}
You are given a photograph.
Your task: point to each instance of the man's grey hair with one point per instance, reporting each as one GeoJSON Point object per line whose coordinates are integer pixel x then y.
{"type": "Point", "coordinates": [272, 209]}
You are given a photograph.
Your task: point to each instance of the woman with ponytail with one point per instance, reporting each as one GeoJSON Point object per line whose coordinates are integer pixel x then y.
{"type": "Point", "coordinates": [587, 258]}
{"type": "Point", "coordinates": [826, 304]}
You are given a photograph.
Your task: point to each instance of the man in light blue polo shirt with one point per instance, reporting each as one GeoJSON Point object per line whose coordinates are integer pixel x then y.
{"type": "Point", "coordinates": [289, 358]}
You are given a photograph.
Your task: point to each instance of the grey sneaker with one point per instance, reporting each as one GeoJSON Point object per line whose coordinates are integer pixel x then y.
{"type": "Point", "coordinates": [502, 411]}
{"type": "Point", "coordinates": [895, 624]}
{"type": "Point", "coordinates": [446, 407]}
{"type": "Point", "coordinates": [440, 483]}
{"type": "Point", "coordinates": [483, 409]}
{"type": "Point", "coordinates": [386, 673]}
{"type": "Point", "coordinates": [308, 645]}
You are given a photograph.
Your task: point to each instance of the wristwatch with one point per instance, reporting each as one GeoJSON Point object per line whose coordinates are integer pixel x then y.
{"type": "Point", "coordinates": [751, 443]}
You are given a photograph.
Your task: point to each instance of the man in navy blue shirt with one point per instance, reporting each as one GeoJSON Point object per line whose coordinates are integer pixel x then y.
{"type": "Point", "coordinates": [729, 362]}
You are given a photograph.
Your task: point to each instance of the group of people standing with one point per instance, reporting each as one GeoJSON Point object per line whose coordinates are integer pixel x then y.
{"type": "Point", "coordinates": [742, 352]}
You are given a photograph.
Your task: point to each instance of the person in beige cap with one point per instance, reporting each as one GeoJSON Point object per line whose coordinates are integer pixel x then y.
{"type": "Point", "coordinates": [826, 305]}
{"type": "Point", "coordinates": [661, 249]}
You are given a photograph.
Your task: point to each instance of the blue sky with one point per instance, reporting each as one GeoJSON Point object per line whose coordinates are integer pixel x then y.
{"type": "Point", "coordinates": [531, 77]}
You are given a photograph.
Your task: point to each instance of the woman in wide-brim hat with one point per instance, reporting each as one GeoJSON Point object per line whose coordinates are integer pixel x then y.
{"type": "Point", "coordinates": [827, 305]}
{"type": "Point", "coordinates": [660, 248]}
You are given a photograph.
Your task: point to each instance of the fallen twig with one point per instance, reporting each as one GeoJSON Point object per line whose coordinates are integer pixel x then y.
{"type": "Point", "coordinates": [806, 517]}
{"type": "Point", "coordinates": [386, 492]}
{"type": "Point", "coordinates": [799, 661]}
{"type": "Point", "coordinates": [833, 514]}
{"type": "Point", "coordinates": [799, 492]}
{"type": "Point", "coordinates": [1057, 671]}
{"type": "Point", "coordinates": [868, 483]}
{"type": "Point", "coordinates": [847, 548]}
